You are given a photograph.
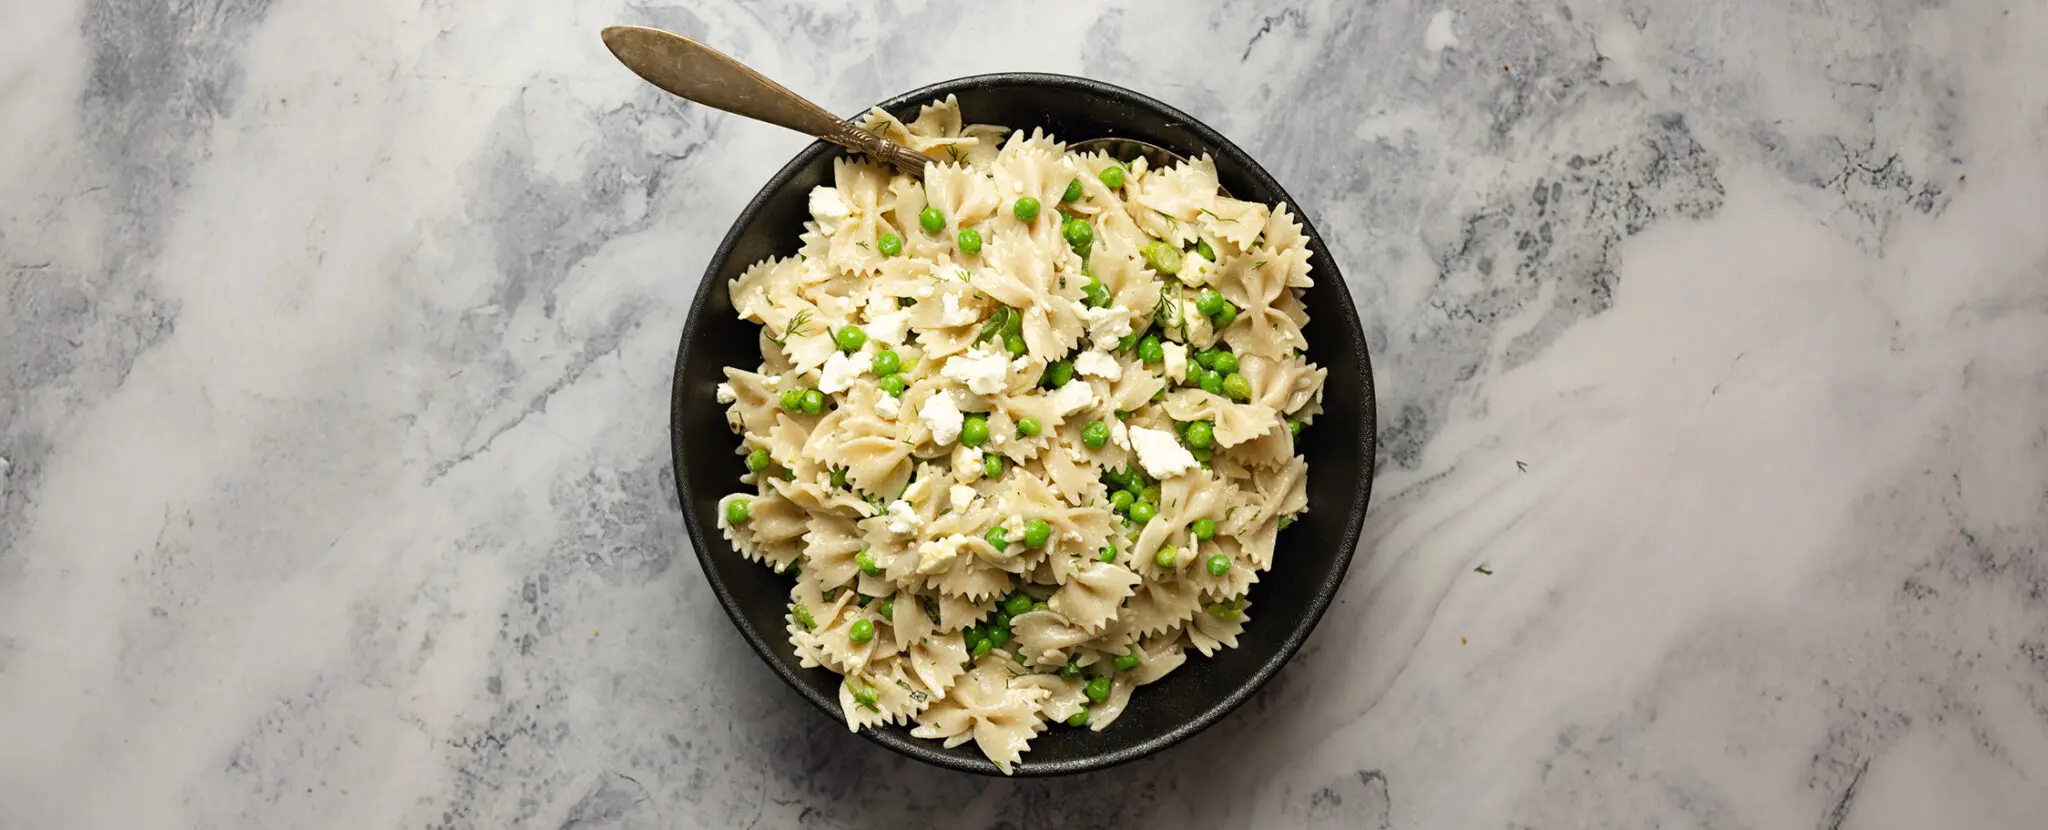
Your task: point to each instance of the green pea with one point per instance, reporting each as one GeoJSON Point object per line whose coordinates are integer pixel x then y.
{"type": "Point", "coordinates": [1112, 177]}
{"type": "Point", "coordinates": [736, 512]}
{"type": "Point", "coordinates": [1149, 492]}
{"type": "Point", "coordinates": [1013, 323]}
{"type": "Point", "coordinates": [1203, 454]}
{"type": "Point", "coordinates": [802, 615]}
{"type": "Point", "coordinates": [1059, 373]}
{"type": "Point", "coordinates": [889, 608]}
{"type": "Point", "coordinates": [997, 538]}
{"type": "Point", "coordinates": [1205, 529]}
{"type": "Point", "coordinates": [1039, 605]}
{"type": "Point", "coordinates": [992, 466]}
{"type": "Point", "coordinates": [974, 431]}
{"type": "Point", "coordinates": [1201, 435]}
{"type": "Point", "coordinates": [1163, 257]}
{"type": "Point", "coordinates": [890, 244]}
{"type": "Point", "coordinates": [1026, 209]}
{"type": "Point", "coordinates": [1151, 350]}
{"type": "Point", "coordinates": [1013, 343]}
{"type": "Point", "coordinates": [1209, 302]}
{"type": "Point", "coordinates": [814, 402]}
{"type": "Point", "coordinates": [1108, 554]}
{"type": "Point", "coordinates": [1073, 191]}
{"type": "Point", "coordinates": [861, 631]}
{"type": "Point", "coordinates": [893, 384]}
{"type": "Point", "coordinates": [885, 363]}
{"type": "Point", "coordinates": [1225, 363]}
{"type": "Point", "coordinates": [1077, 232]}
{"type": "Point", "coordinates": [1212, 382]}
{"type": "Point", "coordinates": [757, 460]}
{"type": "Point", "coordinates": [931, 220]}
{"type": "Point", "coordinates": [1167, 556]}
{"type": "Point", "coordinates": [981, 649]}
{"type": "Point", "coordinates": [1037, 533]}
{"type": "Point", "coordinates": [1070, 671]}
{"type": "Point", "coordinates": [1127, 342]}
{"type": "Point", "coordinates": [1225, 611]}
{"type": "Point", "coordinates": [793, 400]}
{"type": "Point", "coordinates": [865, 695]}
{"type": "Point", "coordinates": [1017, 604]}
{"type": "Point", "coordinates": [1236, 387]}
{"type": "Point", "coordinates": [850, 339]}
{"type": "Point", "coordinates": [1218, 564]}
{"type": "Point", "coordinates": [970, 241]}
{"type": "Point", "coordinates": [1020, 657]}
{"type": "Point", "coordinates": [1127, 662]}
{"type": "Point", "coordinates": [1095, 435]}
{"type": "Point", "coordinates": [1078, 718]}
{"type": "Point", "coordinates": [1206, 358]}
{"type": "Point", "coordinates": [1121, 501]}
{"type": "Point", "coordinates": [1208, 253]}
{"type": "Point", "coordinates": [866, 560]}
{"type": "Point", "coordinates": [1028, 426]}
{"type": "Point", "coordinates": [788, 474]}
{"type": "Point", "coordinates": [1095, 294]}
{"type": "Point", "coordinates": [1142, 512]}
{"type": "Point", "coordinates": [1223, 319]}
{"type": "Point", "coordinates": [1294, 427]}
{"type": "Point", "coordinates": [998, 635]}
{"type": "Point", "coordinates": [1097, 689]}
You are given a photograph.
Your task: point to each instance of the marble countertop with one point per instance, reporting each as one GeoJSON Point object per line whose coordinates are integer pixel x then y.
{"type": "Point", "coordinates": [334, 355]}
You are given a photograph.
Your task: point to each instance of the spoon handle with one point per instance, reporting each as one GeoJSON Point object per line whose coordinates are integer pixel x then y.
{"type": "Point", "coordinates": [707, 76]}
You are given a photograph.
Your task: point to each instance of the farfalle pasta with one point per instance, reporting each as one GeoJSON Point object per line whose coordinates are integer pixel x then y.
{"type": "Point", "coordinates": [1023, 433]}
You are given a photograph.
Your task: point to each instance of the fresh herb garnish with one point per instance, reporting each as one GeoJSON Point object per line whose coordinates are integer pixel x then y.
{"type": "Point", "coordinates": [1485, 570]}
{"type": "Point", "coordinates": [798, 327]}
{"type": "Point", "coordinates": [1522, 466]}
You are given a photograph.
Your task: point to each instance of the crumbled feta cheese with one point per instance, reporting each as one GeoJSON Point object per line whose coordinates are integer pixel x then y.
{"type": "Point", "coordinates": [888, 406]}
{"type": "Point", "coordinates": [841, 370]}
{"type": "Point", "coordinates": [942, 417]}
{"type": "Point", "coordinates": [953, 314]}
{"type": "Point", "coordinates": [962, 496]}
{"type": "Point", "coordinates": [889, 328]}
{"type": "Point", "coordinates": [1160, 453]}
{"type": "Point", "coordinates": [967, 458]}
{"type": "Point", "coordinates": [935, 556]}
{"type": "Point", "coordinates": [1107, 325]}
{"type": "Point", "coordinates": [725, 393]}
{"type": "Point", "coordinates": [984, 371]}
{"type": "Point", "coordinates": [1073, 397]}
{"type": "Point", "coordinates": [1119, 434]}
{"type": "Point", "coordinates": [903, 520]}
{"type": "Point", "coordinates": [1098, 365]}
{"type": "Point", "coordinates": [1195, 326]}
{"type": "Point", "coordinates": [829, 209]}
{"type": "Point", "coordinates": [1176, 360]}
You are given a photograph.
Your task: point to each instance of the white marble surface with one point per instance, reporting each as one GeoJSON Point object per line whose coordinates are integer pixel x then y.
{"type": "Point", "coordinates": [335, 341]}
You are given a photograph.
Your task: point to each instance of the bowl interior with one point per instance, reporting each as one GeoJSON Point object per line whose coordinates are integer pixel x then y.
{"type": "Point", "coordinates": [1312, 554]}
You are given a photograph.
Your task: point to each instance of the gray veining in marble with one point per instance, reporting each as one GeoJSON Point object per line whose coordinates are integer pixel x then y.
{"type": "Point", "coordinates": [335, 341]}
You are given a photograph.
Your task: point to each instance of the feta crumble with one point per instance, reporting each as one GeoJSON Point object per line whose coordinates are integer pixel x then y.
{"type": "Point", "coordinates": [942, 417]}
{"type": "Point", "coordinates": [1176, 360]}
{"type": "Point", "coordinates": [1098, 365]}
{"type": "Point", "coordinates": [1160, 453]}
{"type": "Point", "coordinates": [830, 211]}
{"type": "Point", "coordinates": [983, 371]}
{"type": "Point", "coordinates": [841, 370]}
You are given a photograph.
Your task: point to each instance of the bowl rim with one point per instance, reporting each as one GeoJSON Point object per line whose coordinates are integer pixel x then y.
{"type": "Point", "coordinates": [925, 750]}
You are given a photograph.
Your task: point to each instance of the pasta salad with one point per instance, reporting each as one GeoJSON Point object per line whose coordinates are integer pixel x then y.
{"type": "Point", "coordinates": [1024, 432]}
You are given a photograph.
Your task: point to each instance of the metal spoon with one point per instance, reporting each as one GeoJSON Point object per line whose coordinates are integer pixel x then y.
{"type": "Point", "coordinates": [707, 76]}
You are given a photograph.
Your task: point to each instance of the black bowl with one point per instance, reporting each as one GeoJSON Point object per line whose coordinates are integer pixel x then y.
{"type": "Point", "coordinates": [1312, 554]}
